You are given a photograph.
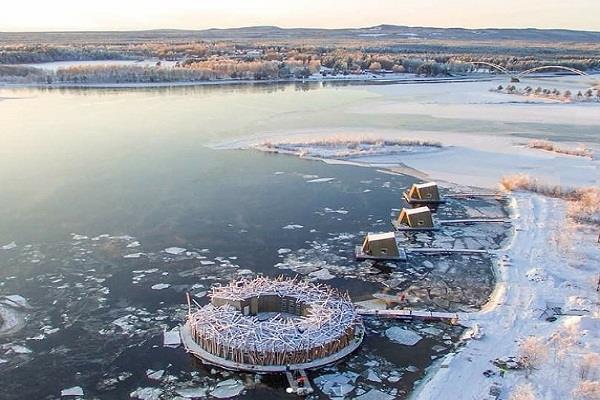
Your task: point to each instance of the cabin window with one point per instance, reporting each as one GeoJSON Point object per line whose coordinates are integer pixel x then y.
{"type": "Point", "coordinates": [384, 251]}
{"type": "Point", "coordinates": [428, 195]}
{"type": "Point", "coordinates": [420, 222]}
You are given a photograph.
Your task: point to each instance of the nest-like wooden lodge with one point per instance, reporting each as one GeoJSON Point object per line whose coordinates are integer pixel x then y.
{"type": "Point", "coordinates": [273, 325]}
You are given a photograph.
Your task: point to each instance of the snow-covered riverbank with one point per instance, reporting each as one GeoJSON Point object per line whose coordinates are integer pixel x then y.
{"type": "Point", "coordinates": [540, 269]}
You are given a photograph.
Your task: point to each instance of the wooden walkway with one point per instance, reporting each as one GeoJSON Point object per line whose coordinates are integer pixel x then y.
{"type": "Point", "coordinates": [440, 250]}
{"type": "Point", "coordinates": [473, 221]}
{"type": "Point", "coordinates": [412, 315]}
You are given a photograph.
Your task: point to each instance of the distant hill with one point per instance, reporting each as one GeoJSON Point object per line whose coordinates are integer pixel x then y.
{"type": "Point", "coordinates": [380, 33]}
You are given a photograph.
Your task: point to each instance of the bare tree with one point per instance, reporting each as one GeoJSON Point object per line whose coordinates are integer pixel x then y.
{"type": "Point", "coordinates": [532, 352]}
{"type": "Point", "coordinates": [588, 367]}
{"type": "Point", "coordinates": [587, 390]}
{"type": "Point", "coordinates": [523, 392]}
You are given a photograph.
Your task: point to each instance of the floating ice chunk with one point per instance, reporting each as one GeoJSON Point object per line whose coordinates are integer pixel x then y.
{"type": "Point", "coordinates": [245, 272]}
{"type": "Point", "coordinates": [374, 394]}
{"type": "Point", "coordinates": [175, 250]}
{"type": "Point", "coordinates": [79, 237]}
{"type": "Point", "coordinates": [402, 336]}
{"type": "Point", "coordinates": [293, 226]}
{"type": "Point", "coordinates": [227, 389]}
{"type": "Point", "coordinates": [192, 393]}
{"type": "Point", "coordinates": [18, 349]}
{"type": "Point", "coordinates": [320, 180]}
{"type": "Point", "coordinates": [340, 211]}
{"type": "Point", "coordinates": [322, 274]}
{"type": "Point", "coordinates": [278, 173]}
{"type": "Point", "coordinates": [372, 376]}
{"type": "Point", "coordinates": [160, 286]}
{"type": "Point", "coordinates": [206, 262]}
{"type": "Point", "coordinates": [134, 255]}
{"type": "Point", "coordinates": [74, 391]}
{"type": "Point", "coordinates": [147, 393]}
{"type": "Point", "coordinates": [134, 244]}
{"type": "Point", "coordinates": [336, 385]}
{"type": "Point", "coordinates": [155, 375]}
{"type": "Point", "coordinates": [284, 251]}
{"type": "Point", "coordinates": [172, 338]}
{"type": "Point", "coordinates": [9, 246]}
{"type": "Point", "coordinates": [366, 190]}
{"type": "Point", "coordinates": [15, 300]}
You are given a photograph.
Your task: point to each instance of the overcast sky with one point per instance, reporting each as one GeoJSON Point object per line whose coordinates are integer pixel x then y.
{"type": "Point", "coordinates": [40, 15]}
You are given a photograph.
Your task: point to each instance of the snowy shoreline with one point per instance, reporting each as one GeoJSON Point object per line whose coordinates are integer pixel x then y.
{"type": "Point", "coordinates": [358, 79]}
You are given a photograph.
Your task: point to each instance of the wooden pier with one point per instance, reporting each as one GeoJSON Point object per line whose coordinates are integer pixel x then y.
{"type": "Point", "coordinates": [408, 314]}
{"type": "Point", "coordinates": [473, 221]}
{"type": "Point", "coordinates": [440, 250]}
{"type": "Point", "coordinates": [299, 383]}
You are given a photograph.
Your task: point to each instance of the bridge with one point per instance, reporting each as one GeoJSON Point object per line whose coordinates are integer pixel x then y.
{"type": "Point", "coordinates": [517, 76]}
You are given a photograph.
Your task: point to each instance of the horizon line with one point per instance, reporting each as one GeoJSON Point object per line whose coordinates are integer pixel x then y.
{"type": "Point", "coordinates": [292, 28]}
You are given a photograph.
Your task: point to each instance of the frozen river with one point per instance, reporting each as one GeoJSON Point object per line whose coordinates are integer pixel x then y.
{"type": "Point", "coordinates": [98, 183]}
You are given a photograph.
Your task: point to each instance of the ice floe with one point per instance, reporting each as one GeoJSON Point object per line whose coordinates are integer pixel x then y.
{"type": "Point", "coordinates": [293, 226]}
{"type": "Point", "coordinates": [175, 251]}
{"type": "Point", "coordinates": [147, 393]}
{"type": "Point", "coordinates": [171, 338]}
{"type": "Point", "coordinates": [161, 286]}
{"type": "Point", "coordinates": [228, 388]}
{"type": "Point", "coordinates": [402, 336]}
{"type": "Point", "coordinates": [320, 180]}
{"type": "Point", "coordinates": [9, 246]}
{"type": "Point", "coordinates": [75, 391]}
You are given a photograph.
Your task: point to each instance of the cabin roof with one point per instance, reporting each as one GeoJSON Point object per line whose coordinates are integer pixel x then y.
{"type": "Point", "coordinates": [425, 185]}
{"type": "Point", "coordinates": [381, 236]}
{"type": "Point", "coordinates": [418, 210]}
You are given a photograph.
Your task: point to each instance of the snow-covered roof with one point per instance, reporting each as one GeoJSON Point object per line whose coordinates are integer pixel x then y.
{"type": "Point", "coordinates": [381, 236]}
{"type": "Point", "coordinates": [425, 185]}
{"type": "Point", "coordinates": [418, 210]}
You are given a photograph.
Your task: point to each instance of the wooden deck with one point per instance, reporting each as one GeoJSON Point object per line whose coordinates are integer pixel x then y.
{"type": "Point", "coordinates": [405, 228]}
{"type": "Point", "coordinates": [411, 200]}
{"type": "Point", "coordinates": [474, 221]}
{"type": "Point", "coordinates": [408, 314]}
{"type": "Point", "coordinates": [440, 250]}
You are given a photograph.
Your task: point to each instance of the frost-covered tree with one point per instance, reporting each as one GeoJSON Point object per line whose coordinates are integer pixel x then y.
{"type": "Point", "coordinates": [524, 391]}
{"type": "Point", "coordinates": [587, 390]}
{"type": "Point", "coordinates": [532, 352]}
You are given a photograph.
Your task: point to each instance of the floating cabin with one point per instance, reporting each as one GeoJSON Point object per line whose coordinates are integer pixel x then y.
{"type": "Point", "coordinates": [273, 326]}
{"type": "Point", "coordinates": [423, 193]}
{"type": "Point", "coordinates": [415, 219]}
{"type": "Point", "coordinates": [380, 246]}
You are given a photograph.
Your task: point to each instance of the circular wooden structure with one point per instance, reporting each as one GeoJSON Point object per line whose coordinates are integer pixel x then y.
{"type": "Point", "coordinates": [273, 325]}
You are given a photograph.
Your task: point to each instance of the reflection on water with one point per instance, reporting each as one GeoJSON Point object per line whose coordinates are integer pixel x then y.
{"type": "Point", "coordinates": [97, 183]}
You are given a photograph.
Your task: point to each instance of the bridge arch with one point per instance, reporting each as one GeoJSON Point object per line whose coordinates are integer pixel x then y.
{"type": "Point", "coordinates": [495, 66]}
{"type": "Point", "coordinates": [531, 70]}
